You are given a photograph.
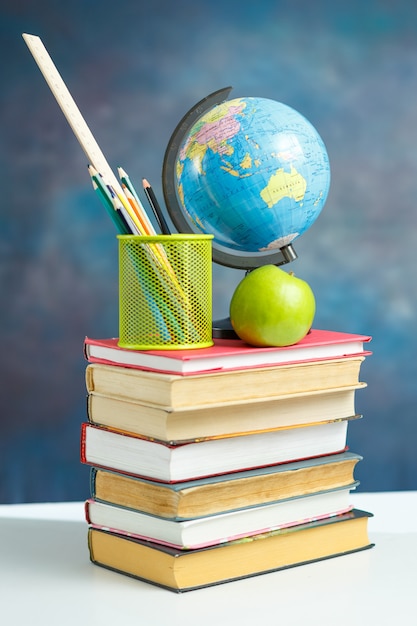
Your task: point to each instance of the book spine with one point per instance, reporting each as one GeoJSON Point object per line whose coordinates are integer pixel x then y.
{"type": "Point", "coordinates": [89, 379]}
{"type": "Point", "coordinates": [86, 349]}
{"type": "Point", "coordinates": [87, 512]}
{"type": "Point", "coordinates": [83, 442]}
{"type": "Point", "coordinates": [93, 475]}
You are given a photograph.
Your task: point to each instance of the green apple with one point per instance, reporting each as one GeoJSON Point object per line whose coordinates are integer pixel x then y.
{"type": "Point", "coordinates": [271, 307]}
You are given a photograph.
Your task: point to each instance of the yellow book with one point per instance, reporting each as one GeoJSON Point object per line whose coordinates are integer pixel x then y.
{"type": "Point", "coordinates": [179, 570]}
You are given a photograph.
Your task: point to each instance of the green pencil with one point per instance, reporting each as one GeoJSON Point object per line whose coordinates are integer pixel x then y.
{"type": "Point", "coordinates": [104, 195]}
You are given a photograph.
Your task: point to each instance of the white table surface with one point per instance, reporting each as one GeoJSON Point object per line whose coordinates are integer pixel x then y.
{"type": "Point", "coordinates": [46, 578]}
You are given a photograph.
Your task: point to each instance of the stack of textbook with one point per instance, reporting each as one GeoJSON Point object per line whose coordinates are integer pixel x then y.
{"type": "Point", "coordinates": [214, 464]}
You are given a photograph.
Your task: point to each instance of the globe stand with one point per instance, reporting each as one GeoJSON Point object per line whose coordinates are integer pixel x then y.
{"type": "Point", "coordinates": [288, 254]}
{"type": "Point", "coordinates": [223, 329]}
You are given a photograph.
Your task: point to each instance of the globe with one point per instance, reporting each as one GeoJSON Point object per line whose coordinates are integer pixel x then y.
{"type": "Point", "coordinates": [253, 172]}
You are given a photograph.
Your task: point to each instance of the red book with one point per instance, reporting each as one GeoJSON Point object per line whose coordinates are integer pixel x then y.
{"type": "Point", "coordinates": [161, 461]}
{"type": "Point", "coordinates": [228, 354]}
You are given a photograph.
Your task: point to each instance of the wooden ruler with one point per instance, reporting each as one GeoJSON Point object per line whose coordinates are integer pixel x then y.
{"type": "Point", "coordinates": [71, 111]}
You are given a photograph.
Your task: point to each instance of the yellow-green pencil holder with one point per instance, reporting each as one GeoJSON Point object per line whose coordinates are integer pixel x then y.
{"type": "Point", "coordinates": [165, 292]}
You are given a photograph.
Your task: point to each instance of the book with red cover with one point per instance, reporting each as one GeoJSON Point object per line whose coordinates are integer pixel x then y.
{"type": "Point", "coordinates": [162, 461]}
{"type": "Point", "coordinates": [227, 354]}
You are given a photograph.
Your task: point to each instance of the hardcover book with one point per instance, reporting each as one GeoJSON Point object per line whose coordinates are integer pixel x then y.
{"type": "Point", "coordinates": [226, 354]}
{"type": "Point", "coordinates": [213, 529]}
{"type": "Point", "coordinates": [228, 492]}
{"type": "Point", "coordinates": [184, 570]}
{"type": "Point", "coordinates": [158, 460]}
{"type": "Point", "coordinates": [175, 392]}
{"type": "Point", "coordinates": [222, 420]}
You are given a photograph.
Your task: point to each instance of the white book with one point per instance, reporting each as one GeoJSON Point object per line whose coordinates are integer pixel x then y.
{"type": "Point", "coordinates": [162, 461]}
{"type": "Point", "coordinates": [214, 529]}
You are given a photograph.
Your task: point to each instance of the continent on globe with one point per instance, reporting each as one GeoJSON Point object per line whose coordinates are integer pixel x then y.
{"type": "Point", "coordinates": [282, 184]}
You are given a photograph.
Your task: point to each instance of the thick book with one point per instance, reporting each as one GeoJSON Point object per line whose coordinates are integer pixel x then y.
{"type": "Point", "coordinates": [175, 392]}
{"type": "Point", "coordinates": [226, 354]}
{"type": "Point", "coordinates": [180, 571]}
{"type": "Point", "coordinates": [158, 460]}
{"type": "Point", "coordinates": [227, 492]}
{"type": "Point", "coordinates": [221, 420]}
{"type": "Point", "coordinates": [210, 530]}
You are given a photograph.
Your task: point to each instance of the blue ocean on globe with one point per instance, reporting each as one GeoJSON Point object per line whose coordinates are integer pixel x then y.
{"type": "Point", "coordinates": [254, 173]}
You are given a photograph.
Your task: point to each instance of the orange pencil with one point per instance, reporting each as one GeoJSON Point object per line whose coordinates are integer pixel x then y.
{"type": "Point", "coordinates": [146, 230]}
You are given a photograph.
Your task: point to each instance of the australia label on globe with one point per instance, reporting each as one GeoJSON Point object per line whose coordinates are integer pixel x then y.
{"type": "Point", "coordinates": [254, 173]}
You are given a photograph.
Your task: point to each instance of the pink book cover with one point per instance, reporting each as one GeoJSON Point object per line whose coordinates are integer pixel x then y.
{"type": "Point", "coordinates": [227, 354]}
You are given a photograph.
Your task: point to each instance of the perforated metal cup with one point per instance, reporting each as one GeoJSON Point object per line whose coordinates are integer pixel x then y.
{"type": "Point", "coordinates": [165, 292]}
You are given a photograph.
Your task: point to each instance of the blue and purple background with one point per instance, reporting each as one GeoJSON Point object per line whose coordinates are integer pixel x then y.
{"type": "Point", "coordinates": [134, 69]}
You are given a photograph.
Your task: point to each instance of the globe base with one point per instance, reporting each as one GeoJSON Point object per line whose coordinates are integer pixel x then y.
{"type": "Point", "coordinates": [223, 329]}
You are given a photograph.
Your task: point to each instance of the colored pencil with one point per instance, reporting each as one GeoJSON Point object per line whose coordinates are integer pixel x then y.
{"type": "Point", "coordinates": [119, 206]}
{"type": "Point", "coordinates": [104, 194]}
{"type": "Point", "coordinates": [157, 249]}
{"type": "Point", "coordinates": [154, 204]}
{"type": "Point", "coordinates": [130, 190]}
{"type": "Point", "coordinates": [146, 230]}
{"type": "Point", "coordinates": [125, 179]}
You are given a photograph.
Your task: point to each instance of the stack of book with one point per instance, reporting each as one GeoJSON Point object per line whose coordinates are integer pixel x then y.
{"type": "Point", "coordinates": [216, 464]}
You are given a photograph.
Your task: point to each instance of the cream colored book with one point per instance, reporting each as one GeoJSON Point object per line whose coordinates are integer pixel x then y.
{"type": "Point", "coordinates": [225, 492]}
{"type": "Point", "coordinates": [222, 420]}
{"type": "Point", "coordinates": [174, 391]}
